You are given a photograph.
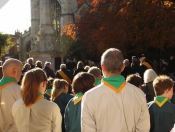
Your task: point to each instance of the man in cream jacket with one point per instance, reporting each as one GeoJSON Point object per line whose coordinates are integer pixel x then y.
{"type": "Point", "coordinates": [114, 105]}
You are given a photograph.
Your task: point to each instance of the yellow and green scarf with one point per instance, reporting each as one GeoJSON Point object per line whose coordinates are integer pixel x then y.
{"type": "Point", "coordinates": [116, 82]}
{"type": "Point", "coordinates": [48, 92]}
{"type": "Point", "coordinates": [160, 101]}
{"type": "Point", "coordinates": [78, 97]}
{"type": "Point", "coordinates": [5, 81]}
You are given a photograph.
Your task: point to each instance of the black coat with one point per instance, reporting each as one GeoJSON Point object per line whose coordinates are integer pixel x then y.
{"type": "Point", "coordinates": [49, 72]}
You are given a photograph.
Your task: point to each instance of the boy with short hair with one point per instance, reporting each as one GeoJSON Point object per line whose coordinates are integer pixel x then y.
{"type": "Point", "coordinates": [162, 111]}
{"type": "Point", "coordinates": [134, 79]}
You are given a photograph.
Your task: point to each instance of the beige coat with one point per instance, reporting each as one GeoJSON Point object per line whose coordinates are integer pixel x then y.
{"type": "Point", "coordinates": [8, 96]}
{"type": "Point", "coordinates": [104, 110]}
{"type": "Point", "coordinates": [42, 116]}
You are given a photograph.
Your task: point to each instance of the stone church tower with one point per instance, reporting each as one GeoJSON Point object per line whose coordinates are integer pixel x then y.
{"type": "Point", "coordinates": [42, 40]}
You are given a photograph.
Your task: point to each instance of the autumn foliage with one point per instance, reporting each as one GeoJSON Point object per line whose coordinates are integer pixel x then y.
{"type": "Point", "coordinates": [132, 26]}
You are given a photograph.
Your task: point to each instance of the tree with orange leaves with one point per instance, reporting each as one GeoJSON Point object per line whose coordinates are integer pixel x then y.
{"type": "Point", "coordinates": [134, 26]}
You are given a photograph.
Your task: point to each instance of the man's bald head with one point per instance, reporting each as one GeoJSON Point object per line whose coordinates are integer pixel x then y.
{"type": "Point", "coordinates": [12, 68]}
{"type": "Point", "coordinates": [11, 63]}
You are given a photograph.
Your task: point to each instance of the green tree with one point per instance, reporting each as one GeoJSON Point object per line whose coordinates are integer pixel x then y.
{"type": "Point", "coordinates": [5, 43]}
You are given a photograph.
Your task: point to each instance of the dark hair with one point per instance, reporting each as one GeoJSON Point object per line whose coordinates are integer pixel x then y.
{"type": "Point", "coordinates": [82, 82]}
{"type": "Point", "coordinates": [30, 85]}
{"type": "Point", "coordinates": [134, 79]}
{"type": "Point", "coordinates": [162, 83]}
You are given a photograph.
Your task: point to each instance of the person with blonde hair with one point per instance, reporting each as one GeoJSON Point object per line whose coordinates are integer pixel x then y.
{"type": "Point", "coordinates": [33, 113]}
{"type": "Point", "coordinates": [60, 97]}
{"type": "Point", "coordinates": [9, 92]}
{"type": "Point", "coordinates": [96, 72]}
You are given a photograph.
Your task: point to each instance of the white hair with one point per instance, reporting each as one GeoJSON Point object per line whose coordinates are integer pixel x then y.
{"type": "Point", "coordinates": [149, 75]}
{"type": "Point", "coordinates": [62, 66]}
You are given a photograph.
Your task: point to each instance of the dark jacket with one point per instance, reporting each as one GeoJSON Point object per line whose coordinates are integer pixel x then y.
{"type": "Point", "coordinates": [127, 71]}
{"type": "Point", "coordinates": [162, 119]}
{"type": "Point", "coordinates": [79, 70]}
{"type": "Point", "coordinates": [49, 72]}
{"type": "Point", "coordinates": [67, 72]}
{"type": "Point", "coordinates": [147, 88]}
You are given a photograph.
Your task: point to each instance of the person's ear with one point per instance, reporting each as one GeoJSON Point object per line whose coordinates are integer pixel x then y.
{"type": "Point", "coordinates": [44, 83]}
{"type": "Point", "coordinates": [123, 67]}
{"type": "Point", "coordinates": [102, 68]}
{"type": "Point", "coordinates": [166, 91]}
{"type": "Point", "coordinates": [13, 71]}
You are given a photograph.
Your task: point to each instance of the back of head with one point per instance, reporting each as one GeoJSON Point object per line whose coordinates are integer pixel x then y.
{"type": "Point", "coordinates": [38, 63]}
{"type": "Point", "coordinates": [30, 60]}
{"type": "Point", "coordinates": [149, 75]}
{"type": "Point", "coordinates": [47, 64]}
{"type": "Point", "coordinates": [12, 68]}
{"type": "Point", "coordinates": [82, 82]}
{"type": "Point", "coordinates": [80, 64]}
{"type": "Point", "coordinates": [95, 71]}
{"type": "Point", "coordinates": [30, 85]}
{"type": "Point", "coordinates": [58, 84]}
{"type": "Point", "coordinates": [50, 83]}
{"type": "Point", "coordinates": [162, 83]}
{"type": "Point", "coordinates": [63, 66]}
{"type": "Point", "coordinates": [112, 60]}
{"type": "Point", "coordinates": [87, 68]}
{"type": "Point", "coordinates": [135, 60]}
{"type": "Point", "coordinates": [134, 79]}
{"type": "Point", "coordinates": [126, 62]}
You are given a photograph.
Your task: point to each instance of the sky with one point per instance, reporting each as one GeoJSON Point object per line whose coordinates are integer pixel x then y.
{"type": "Point", "coordinates": [14, 15]}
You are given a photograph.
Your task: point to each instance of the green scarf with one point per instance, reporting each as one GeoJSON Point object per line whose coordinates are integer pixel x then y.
{"type": "Point", "coordinates": [6, 81]}
{"type": "Point", "coordinates": [78, 98]}
{"type": "Point", "coordinates": [160, 101]}
{"type": "Point", "coordinates": [48, 92]}
{"type": "Point", "coordinates": [97, 81]}
{"type": "Point", "coordinates": [116, 82]}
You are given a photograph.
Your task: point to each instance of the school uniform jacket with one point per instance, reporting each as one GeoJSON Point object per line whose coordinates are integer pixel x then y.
{"type": "Point", "coordinates": [162, 118]}
{"type": "Point", "coordinates": [104, 110]}
{"type": "Point", "coordinates": [42, 116]}
{"type": "Point", "coordinates": [8, 95]}
{"type": "Point", "coordinates": [72, 117]}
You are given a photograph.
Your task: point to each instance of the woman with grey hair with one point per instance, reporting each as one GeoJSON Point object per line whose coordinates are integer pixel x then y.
{"type": "Point", "coordinates": [147, 87]}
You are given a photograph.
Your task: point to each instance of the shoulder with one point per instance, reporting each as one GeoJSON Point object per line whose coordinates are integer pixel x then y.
{"type": "Point", "coordinates": [13, 87]}
{"type": "Point", "coordinates": [133, 89]}
{"type": "Point", "coordinates": [17, 104]}
{"type": "Point", "coordinates": [70, 103]}
{"type": "Point", "coordinates": [150, 103]}
{"type": "Point", "coordinates": [50, 105]}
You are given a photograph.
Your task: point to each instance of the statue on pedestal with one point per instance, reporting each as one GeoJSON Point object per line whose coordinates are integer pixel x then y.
{"type": "Point", "coordinates": [50, 45]}
{"type": "Point", "coordinates": [35, 45]}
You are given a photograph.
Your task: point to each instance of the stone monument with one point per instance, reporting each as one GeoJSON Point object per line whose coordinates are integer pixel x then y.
{"type": "Point", "coordinates": [42, 41]}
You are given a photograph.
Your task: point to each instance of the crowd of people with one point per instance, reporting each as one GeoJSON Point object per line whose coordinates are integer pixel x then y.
{"type": "Point", "coordinates": [119, 96]}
